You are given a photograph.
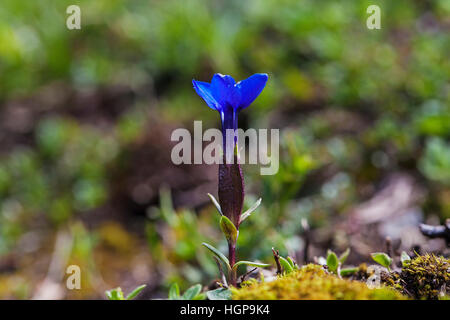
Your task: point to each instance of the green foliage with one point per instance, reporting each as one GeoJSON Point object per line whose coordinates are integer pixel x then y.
{"type": "Point", "coordinates": [405, 259]}
{"type": "Point", "coordinates": [435, 164]}
{"type": "Point", "coordinates": [343, 257]}
{"type": "Point", "coordinates": [179, 250]}
{"type": "Point", "coordinates": [218, 254]}
{"type": "Point", "coordinates": [312, 282]}
{"type": "Point", "coordinates": [231, 235]}
{"type": "Point", "coordinates": [192, 293]}
{"type": "Point", "coordinates": [228, 229]}
{"type": "Point", "coordinates": [345, 272]}
{"type": "Point", "coordinates": [117, 294]}
{"type": "Point", "coordinates": [286, 265]}
{"type": "Point", "coordinates": [332, 262]}
{"type": "Point", "coordinates": [360, 112]}
{"type": "Point", "coordinates": [247, 213]}
{"type": "Point", "coordinates": [382, 259]}
{"type": "Point", "coordinates": [226, 262]}
{"type": "Point", "coordinates": [133, 294]}
{"type": "Point", "coordinates": [216, 203]}
{"type": "Point", "coordinates": [251, 264]}
{"type": "Point", "coordinates": [292, 262]}
{"type": "Point", "coordinates": [174, 291]}
{"type": "Point", "coordinates": [219, 294]}
{"type": "Point", "coordinates": [424, 277]}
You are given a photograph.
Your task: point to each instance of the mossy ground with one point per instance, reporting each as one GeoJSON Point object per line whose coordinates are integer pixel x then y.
{"type": "Point", "coordinates": [424, 277]}
{"type": "Point", "coordinates": [312, 282]}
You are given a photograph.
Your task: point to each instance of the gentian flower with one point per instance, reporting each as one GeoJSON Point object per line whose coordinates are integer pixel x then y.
{"type": "Point", "coordinates": [229, 98]}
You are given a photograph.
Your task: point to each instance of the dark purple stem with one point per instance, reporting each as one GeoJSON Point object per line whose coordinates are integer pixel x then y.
{"type": "Point", "coordinates": [232, 259]}
{"type": "Point", "coordinates": [231, 180]}
{"type": "Point", "coordinates": [232, 254]}
{"type": "Point", "coordinates": [229, 117]}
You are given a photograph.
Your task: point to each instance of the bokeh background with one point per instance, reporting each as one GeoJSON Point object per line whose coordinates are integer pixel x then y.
{"type": "Point", "coordinates": [86, 117]}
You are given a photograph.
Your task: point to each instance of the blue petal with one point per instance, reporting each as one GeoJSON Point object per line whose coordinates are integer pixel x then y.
{"type": "Point", "coordinates": [226, 79]}
{"type": "Point", "coordinates": [203, 89]}
{"type": "Point", "coordinates": [224, 90]}
{"type": "Point", "coordinates": [250, 89]}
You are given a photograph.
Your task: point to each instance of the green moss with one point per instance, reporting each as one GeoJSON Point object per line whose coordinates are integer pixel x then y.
{"type": "Point", "coordinates": [424, 277]}
{"type": "Point", "coordinates": [312, 282]}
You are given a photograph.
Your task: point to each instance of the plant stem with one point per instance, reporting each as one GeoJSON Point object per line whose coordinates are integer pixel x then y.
{"type": "Point", "coordinates": [232, 259]}
{"type": "Point", "coordinates": [276, 256]}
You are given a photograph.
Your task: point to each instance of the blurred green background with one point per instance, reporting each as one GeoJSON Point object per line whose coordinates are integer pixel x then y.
{"type": "Point", "coordinates": [86, 117]}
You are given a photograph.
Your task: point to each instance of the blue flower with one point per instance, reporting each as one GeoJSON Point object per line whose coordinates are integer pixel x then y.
{"type": "Point", "coordinates": [229, 98]}
{"type": "Point", "coordinates": [223, 91]}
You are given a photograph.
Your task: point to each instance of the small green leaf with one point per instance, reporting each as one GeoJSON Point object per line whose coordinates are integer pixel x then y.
{"type": "Point", "coordinates": [405, 259]}
{"type": "Point", "coordinates": [115, 294]}
{"type": "Point", "coordinates": [192, 292]}
{"type": "Point", "coordinates": [218, 254]}
{"type": "Point", "coordinates": [247, 213]}
{"type": "Point", "coordinates": [228, 229]}
{"type": "Point", "coordinates": [343, 257]}
{"type": "Point", "coordinates": [108, 295]}
{"type": "Point", "coordinates": [118, 294]}
{"type": "Point", "coordinates": [135, 292]}
{"type": "Point", "coordinates": [286, 265]}
{"type": "Point", "coordinates": [216, 203]}
{"type": "Point", "coordinates": [291, 262]}
{"type": "Point", "coordinates": [200, 296]}
{"type": "Point", "coordinates": [250, 263]}
{"type": "Point", "coordinates": [382, 258]}
{"type": "Point", "coordinates": [166, 206]}
{"type": "Point", "coordinates": [348, 271]}
{"type": "Point", "coordinates": [174, 291]}
{"type": "Point", "coordinates": [219, 294]}
{"type": "Point", "coordinates": [332, 261]}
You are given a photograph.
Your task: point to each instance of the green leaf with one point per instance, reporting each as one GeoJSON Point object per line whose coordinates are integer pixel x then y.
{"type": "Point", "coordinates": [174, 291]}
{"type": "Point", "coordinates": [286, 265]}
{"type": "Point", "coordinates": [228, 229]}
{"type": "Point", "coordinates": [247, 213]}
{"type": "Point", "coordinates": [348, 271]}
{"type": "Point", "coordinates": [382, 258]}
{"type": "Point", "coordinates": [250, 263]}
{"type": "Point", "coordinates": [135, 292]}
{"type": "Point", "coordinates": [218, 254]}
{"type": "Point", "coordinates": [115, 294]}
{"type": "Point", "coordinates": [405, 259]}
{"type": "Point", "coordinates": [219, 294]}
{"type": "Point", "coordinates": [332, 261]}
{"type": "Point", "coordinates": [166, 206]}
{"type": "Point", "coordinates": [200, 296]}
{"type": "Point", "coordinates": [216, 203]}
{"type": "Point", "coordinates": [192, 292]}
{"type": "Point", "coordinates": [343, 257]}
{"type": "Point", "coordinates": [291, 262]}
